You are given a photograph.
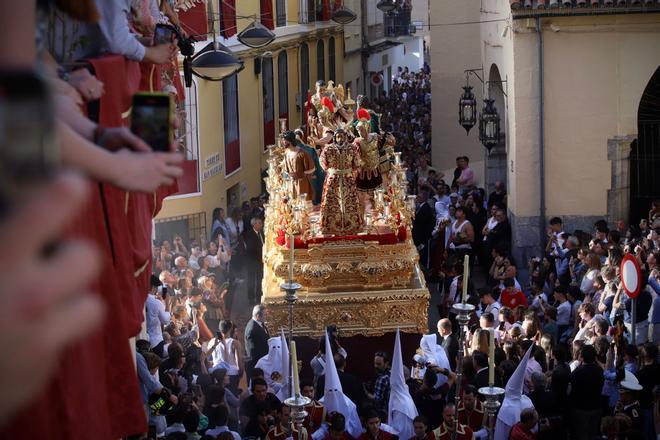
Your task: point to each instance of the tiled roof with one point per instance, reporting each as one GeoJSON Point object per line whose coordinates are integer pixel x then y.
{"type": "Point", "coordinates": [642, 5]}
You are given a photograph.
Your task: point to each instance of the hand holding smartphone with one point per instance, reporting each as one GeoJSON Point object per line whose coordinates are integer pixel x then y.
{"type": "Point", "coordinates": [152, 119]}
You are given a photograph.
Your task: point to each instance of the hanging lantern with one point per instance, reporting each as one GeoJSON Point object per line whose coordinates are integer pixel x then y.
{"type": "Point", "coordinates": [489, 125]}
{"type": "Point", "coordinates": [467, 109]}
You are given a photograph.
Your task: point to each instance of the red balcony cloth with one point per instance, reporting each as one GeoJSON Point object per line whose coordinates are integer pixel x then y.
{"type": "Point", "coordinates": [94, 392]}
{"type": "Point", "coordinates": [267, 14]}
{"type": "Point", "coordinates": [121, 79]}
{"type": "Point", "coordinates": [228, 18]}
{"type": "Point", "coordinates": [150, 77]}
{"type": "Point", "coordinates": [338, 4]}
{"type": "Point", "coordinates": [326, 10]}
{"type": "Point", "coordinates": [194, 21]}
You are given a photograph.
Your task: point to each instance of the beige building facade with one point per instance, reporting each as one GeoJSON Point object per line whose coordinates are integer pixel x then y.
{"type": "Point", "coordinates": [569, 84]}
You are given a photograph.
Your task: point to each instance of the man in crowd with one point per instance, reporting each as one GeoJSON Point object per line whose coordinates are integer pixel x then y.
{"type": "Point", "coordinates": [586, 387]}
{"type": "Point", "coordinates": [471, 412]}
{"type": "Point", "coordinates": [448, 341]}
{"type": "Point", "coordinates": [256, 338]}
{"type": "Point", "coordinates": [374, 431]}
{"type": "Point", "coordinates": [282, 431]}
{"type": "Point", "coordinates": [248, 410]}
{"type": "Point", "coordinates": [254, 243]}
{"type": "Point", "coordinates": [449, 426]}
{"type": "Point", "coordinates": [156, 314]}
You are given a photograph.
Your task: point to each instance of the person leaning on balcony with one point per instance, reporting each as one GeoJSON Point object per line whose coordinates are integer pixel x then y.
{"type": "Point", "coordinates": [112, 34]}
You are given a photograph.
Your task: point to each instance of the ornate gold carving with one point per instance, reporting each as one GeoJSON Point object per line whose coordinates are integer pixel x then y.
{"type": "Point", "coordinates": [371, 314]}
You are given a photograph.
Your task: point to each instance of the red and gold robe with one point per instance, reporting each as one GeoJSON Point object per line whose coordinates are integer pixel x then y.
{"type": "Point", "coordinates": [315, 416]}
{"type": "Point", "coordinates": [475, 419]}
{"type": "Point", "coordinates": [340, 206]}
{"type": "Point", "coordinates": [279, 433]}
{"type": "Point", "coordinates": [462, 433]}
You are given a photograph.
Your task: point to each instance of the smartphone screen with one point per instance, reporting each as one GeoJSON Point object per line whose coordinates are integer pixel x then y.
{"type": "Point", "coordinates": [163, 34]}
{"type": "Point", "coordinates": [151, 119]}
{"type": "Point", "coordinates": [28, 152]}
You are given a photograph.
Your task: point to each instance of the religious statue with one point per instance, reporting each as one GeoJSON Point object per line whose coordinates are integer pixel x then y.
{"type": "Point", "coordinates": [327, 113]}
{"type": "Point", "coordinates": [299, 166]}
{"type": "Point", "coordinates": [340, 212]}
{"type": "Point", "coordinates": [319, 95]}
{"type": "Point", "coordinates": [369, 177]}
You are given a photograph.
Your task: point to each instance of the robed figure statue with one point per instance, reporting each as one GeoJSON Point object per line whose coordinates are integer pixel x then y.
{"type": "Point", "coordinates": [340, 207]}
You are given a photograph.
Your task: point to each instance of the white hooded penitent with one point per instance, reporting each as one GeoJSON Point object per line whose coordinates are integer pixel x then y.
{"type": "Point", "coordinates": [436, 355]}
{"type": "Point", "coordinates": [514, 400]}
{"type": "Point", "coordinates": [334, 398]}
{"type": "Point", "coordinates": [272, 363]}
{"type": "Point", "coordinates": [284, 393]}
{"type": "Point", "coordinates": [401, 409]}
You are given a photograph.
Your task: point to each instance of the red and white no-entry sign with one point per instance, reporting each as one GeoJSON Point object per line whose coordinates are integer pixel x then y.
{"type": "Point", "coordinates": [631, 275]}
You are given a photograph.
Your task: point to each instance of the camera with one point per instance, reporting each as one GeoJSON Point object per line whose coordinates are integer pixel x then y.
{"type": "Point", "coordinates": [167, 32]}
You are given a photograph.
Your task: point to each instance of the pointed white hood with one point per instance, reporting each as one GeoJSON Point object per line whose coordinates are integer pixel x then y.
{"type": "Point", "coordinates": [283, 393]}
{"type": "Point", "coordinates": [514, 400]}
{"type": "Point", "coordinates": [401, 409]}
{"type": "Point", "coordinates": [273, 360]}
{"type": "Point", "coordinates": [334, 398]}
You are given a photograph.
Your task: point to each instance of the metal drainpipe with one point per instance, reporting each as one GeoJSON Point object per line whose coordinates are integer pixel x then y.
{"type": "Point", "coordinates": [542, 235]}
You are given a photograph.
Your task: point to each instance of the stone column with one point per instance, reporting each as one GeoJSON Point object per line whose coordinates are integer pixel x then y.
{"type": "Point", "coordinates": [618, 197]}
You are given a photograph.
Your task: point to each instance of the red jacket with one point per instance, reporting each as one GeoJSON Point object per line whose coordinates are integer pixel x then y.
{"type": "Point", "coordinates": [513, 299]}
{"type": "Point", "coordinates": [519, 433]}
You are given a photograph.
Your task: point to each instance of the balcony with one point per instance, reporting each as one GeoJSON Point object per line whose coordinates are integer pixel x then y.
{"type": "Point", "coordinates": [398, 24]}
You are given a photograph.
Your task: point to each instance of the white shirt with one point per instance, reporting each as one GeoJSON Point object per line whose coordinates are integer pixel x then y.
{"type": "Point", "coordinates": [490, 224]}
{"type": "Point", "coordinates": [193, 261]}
{"type": "Point", "coordinates": [235, 229]}
{"type": "Point", "coordinates": [564, 313]}
{"type": "Point", "coordinates": [225, 353]}
{"type": "Point", "coordinates": [494, 308]}
{"type": "Point", "coordinates": [587, 284]}
{"type": "Point", "coordinates": [215, 432]}
{"type": "Point", "coordinates": [442, 207]}
{"type": "Point", "coordinates": [156, 317]}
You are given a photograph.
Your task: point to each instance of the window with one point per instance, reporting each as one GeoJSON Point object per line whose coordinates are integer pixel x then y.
{"type": "Point", "coordinates": [280, 10]}
{"type": "Point", "coordinates": [227, 18]}
{"type": "Point", "coordinates": [231, 124]}
{"type": "Point", "coordinates": [311, 11]}
{"type": "Point", "coordinates": [331, 59]}
{"type": "Point", "coordinates": [322, 10]}
{"type": "Point", "coordinates": [283, 85]}
{"type": "Point", "coordinates": [188, 135]}
{"type": "Point", "coordinates": [320, 60]}
{"type": "Point", "coordinates": [188, 227]}
{"type": "Point", "coordinates": [269, 100]}
{"type": "Point", "coordinates": [304, 77]}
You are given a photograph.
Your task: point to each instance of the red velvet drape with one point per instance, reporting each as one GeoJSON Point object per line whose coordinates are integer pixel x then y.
{"type": "Point", "coordinates": [267, 14]}
{"type": "Point", "coordinates": [228, 18]}
{"type": "Point", "coordinates": [326, 10]}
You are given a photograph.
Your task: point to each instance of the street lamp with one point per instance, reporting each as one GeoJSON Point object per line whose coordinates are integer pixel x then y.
{"type": "Point", "coordinates": [386, 5]}
{"type": "Point", "coordinates": [215, 62]}
{"type": "Point", "coordinates": [467, 109]}
{"type": "Point", "coordinates": [256, 35]}
{"type": "Point", "coordinates": [343, 15]}
{"type": "Point", "coordinates": [489, 125]}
